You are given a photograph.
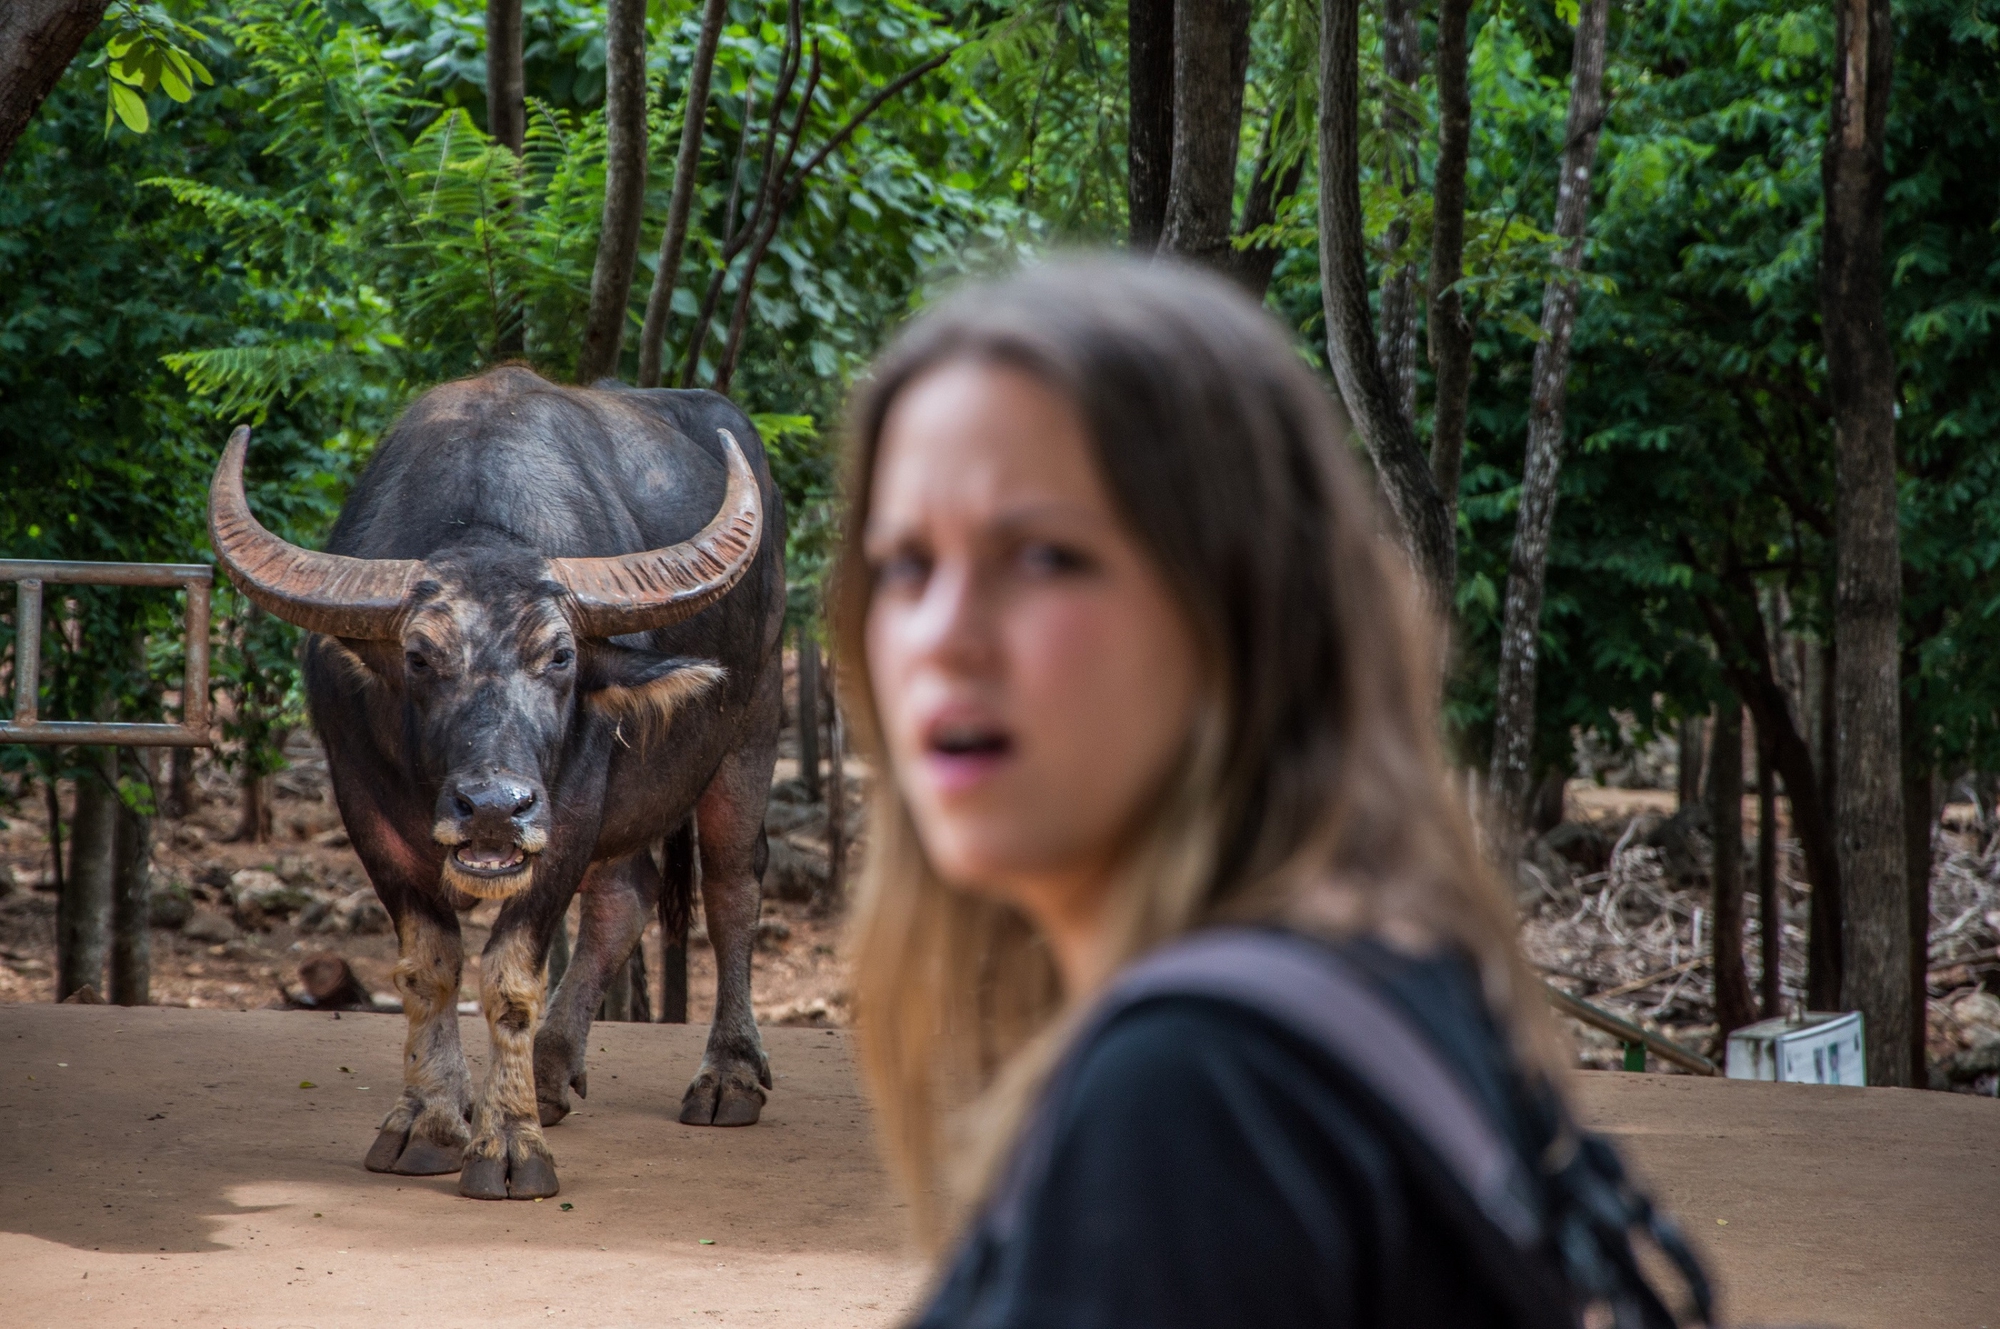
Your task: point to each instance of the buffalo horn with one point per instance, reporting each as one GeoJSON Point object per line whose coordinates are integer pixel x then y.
{"type": "Point", "coordinates": [329, 593]}
{"type": "Point", "coordinates": [640, 592]}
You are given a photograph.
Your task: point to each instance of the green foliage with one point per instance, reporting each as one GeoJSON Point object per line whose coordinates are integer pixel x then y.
{"type": "Point", "coordinates": [147, 52]}
{"type": "Point", "coordinates": [329, 231]}
{"type": "Point", "coordinates": [104, 453]}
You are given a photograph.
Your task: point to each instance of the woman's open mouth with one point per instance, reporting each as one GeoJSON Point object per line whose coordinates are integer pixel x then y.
{"type": "Point", "coordinates": [489, 860]}
{"type": "Point", "coordinates": [961, 754]}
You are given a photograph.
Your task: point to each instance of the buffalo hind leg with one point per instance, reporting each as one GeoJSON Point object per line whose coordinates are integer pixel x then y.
{"type": "Point", "coordinates": [507, 1158]}
{"type": "Point", "coordinates": [424, 1134]}
{"type": "Point", "coordinates": [729, 1088]}
{"type": "Point", "coordinates": [617, 901]}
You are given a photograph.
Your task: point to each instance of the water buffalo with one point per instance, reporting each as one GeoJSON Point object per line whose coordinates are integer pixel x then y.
{"type": "Point", "coordinates": [545, 634]}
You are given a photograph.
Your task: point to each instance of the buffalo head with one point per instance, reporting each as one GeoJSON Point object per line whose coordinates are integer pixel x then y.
{"type": "Point", "coordinates": [493, 648]}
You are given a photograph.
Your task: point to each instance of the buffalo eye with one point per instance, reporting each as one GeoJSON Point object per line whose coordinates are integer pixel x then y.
{"type": "Point", "coordinates": [561, 658]}
{"type": "Point", "coordinates": [416, 663]}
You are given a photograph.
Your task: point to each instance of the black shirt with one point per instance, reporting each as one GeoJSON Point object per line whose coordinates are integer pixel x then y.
{"type": "Point", "coordinates": [1211, 1168]}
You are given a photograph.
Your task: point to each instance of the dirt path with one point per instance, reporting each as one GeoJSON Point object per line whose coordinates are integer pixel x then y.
{"type": "Point", "coordinates": [174, 1172]}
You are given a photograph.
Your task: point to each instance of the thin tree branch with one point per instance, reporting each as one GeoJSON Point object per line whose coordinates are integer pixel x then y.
{"type": "Point", "coordinates": [732, 345]}
{"type": "Point", "coordinates": [660, 300]}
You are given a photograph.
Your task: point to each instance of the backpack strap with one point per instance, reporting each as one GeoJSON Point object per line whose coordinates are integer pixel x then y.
{"type": "Point", "coordinates": [1467, 1163]}
{"type": "Point", "coordinates": [1309, 988]}
{"type": "Point", "coordinates": [1536, 1260]}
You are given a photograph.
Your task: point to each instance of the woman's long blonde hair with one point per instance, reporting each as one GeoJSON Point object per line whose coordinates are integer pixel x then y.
{"type": "Point", "coordinates": [1312, 792]}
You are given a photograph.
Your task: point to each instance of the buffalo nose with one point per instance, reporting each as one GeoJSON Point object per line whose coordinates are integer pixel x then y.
{"type": "Point", "coordinates": [493, 799]}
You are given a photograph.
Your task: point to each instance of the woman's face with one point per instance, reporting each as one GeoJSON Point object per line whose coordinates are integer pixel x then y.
{"type": "Point", "coordinates": [1034, 676]}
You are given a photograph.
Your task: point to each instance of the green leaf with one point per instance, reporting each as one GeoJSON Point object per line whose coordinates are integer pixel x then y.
{"type": "Point", "coordinates": [172, 84]}
{"type": "Point", "coordinates": [131, 108]}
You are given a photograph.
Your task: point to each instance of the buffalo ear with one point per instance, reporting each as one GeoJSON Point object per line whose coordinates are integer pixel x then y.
{"type": "Point", "coordinates": [644, 687]}
{"type": "Point", "coordinates": [362, 663]}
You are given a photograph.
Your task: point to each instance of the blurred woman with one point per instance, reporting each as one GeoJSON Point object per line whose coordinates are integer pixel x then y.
{"type": "Point", "coordinates": [1168, 897]}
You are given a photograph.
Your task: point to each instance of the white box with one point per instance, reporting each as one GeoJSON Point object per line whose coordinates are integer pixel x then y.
{"type": "Point", "coordinates": [1823, 1047]}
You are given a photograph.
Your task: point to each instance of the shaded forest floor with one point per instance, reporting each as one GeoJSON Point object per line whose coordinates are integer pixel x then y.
{"type": "Point", "coordinates": [1615, 909]}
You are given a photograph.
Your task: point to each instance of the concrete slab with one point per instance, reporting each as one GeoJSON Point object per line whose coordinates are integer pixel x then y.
{"type": "Point", "coordinates": [173, 1172]}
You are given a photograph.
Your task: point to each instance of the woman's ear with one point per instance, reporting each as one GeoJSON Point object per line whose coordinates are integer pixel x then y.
{"type": "Point", "coordinates": [643, 687]}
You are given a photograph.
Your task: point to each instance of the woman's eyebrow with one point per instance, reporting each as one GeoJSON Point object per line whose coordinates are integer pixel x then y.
{"type": "Point", "coordinates": [1035, 512]}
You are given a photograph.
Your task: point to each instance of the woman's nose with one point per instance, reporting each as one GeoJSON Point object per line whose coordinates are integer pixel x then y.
{"type": "Point", "coordinates": [953, 623]}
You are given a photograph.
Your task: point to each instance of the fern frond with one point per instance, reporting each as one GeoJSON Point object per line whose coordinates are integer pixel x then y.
{"type": "Point", "coordinates": [249, 378]}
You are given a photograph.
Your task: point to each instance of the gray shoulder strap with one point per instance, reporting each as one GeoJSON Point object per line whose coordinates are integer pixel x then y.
{"type": "Point", "coordinates": [1307, 987]}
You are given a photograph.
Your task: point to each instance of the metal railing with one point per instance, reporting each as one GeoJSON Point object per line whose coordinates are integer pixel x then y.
{"type": "Point", "coordinates": [27, 726]}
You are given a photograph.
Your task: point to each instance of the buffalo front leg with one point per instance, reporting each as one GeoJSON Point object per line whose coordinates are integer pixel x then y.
{"type": "Point", "coordinates": [729, 1088]}
{"type": "Point", "coordinates": [424, 1134]}
{"type": "Point", "coordinates": [616, 900]}
{"type": "Point", "coordinates": [507, 1158]}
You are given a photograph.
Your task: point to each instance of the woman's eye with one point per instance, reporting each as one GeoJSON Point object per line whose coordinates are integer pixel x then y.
{"type": "Point", "coordinates": [1044, 558]}
{"type": "Point", "coordinates": [901, 571]}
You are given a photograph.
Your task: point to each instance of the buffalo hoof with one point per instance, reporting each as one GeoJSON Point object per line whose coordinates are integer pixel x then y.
{"type": "Point", "coordinates": [727, 1098]}
{"type": "Point", "coordinates": [558, 1063]}
{"type": "Point", "coordinates": [515, 1167]}
{"type": "Point", "coordinates": [408, 1154]}
{"type": "Point", "coordinates": [552, 1102]}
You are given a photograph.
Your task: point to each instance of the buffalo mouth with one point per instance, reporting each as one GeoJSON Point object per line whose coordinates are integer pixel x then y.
{"type": "Point", "coordinates": [489, 861]}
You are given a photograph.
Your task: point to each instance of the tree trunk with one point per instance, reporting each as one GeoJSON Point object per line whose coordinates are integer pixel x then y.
{"type": "Point", "coordinates": [1770, 916]}
{"type": "Point", "coordinates": [1211, 56]}
{"type": "Point", "coordinates": [624, 189]}
{"type": "Point", "coordinates": [1149, 136]}
{"type": "Point", "coordinates": [38, 39]}
{"type": "Point", "coordinates": [836, 804]}
{"type": "Point", "coordinates": [809, 689]}
{"type": "Point", "coordinates": [131, 901]}
{"type": "Point", "coordinates": [1733, 1008]}
{"type": "Point", "coordinates": [1687, 792]}
{"type": "Point", "coordinates": [1921, 807]}
{"type": "Point", "coordinates": [1450, 333]}
{"type": "Point", "coordinates": [1527, 568]}
{"type": "Point", "coordinates": [1253, 265]}
{"type": "Point", "coordinates": [1402, 61]}
{"type": "Point", "coordinates": [680, 869]}
{"type": "Point", "coordinates": [1405, 474]}
{"type": "Point", "coordinates": [1758, 686]}
{"type": "Point", "coordinates": [1823, 750]}
{"type": "Point", "coordinates": [180, 796]}
{"type": "Point", "coordinates": [674, 982]}
{"type": "Point", "coordinates": [1861, 383]}
{"type": "Point", "coordinates": [1919, 788]}
{"type": "Point", "coordinates": [507, 122]}
{"type": "Point", "coordinates": [253, 822]}
{"type": "Point", "coordinates": [694, 116]}
{"type": "Point", "coordinates": [639, 1005]}
{"type": "Point", "coordinates": [506, 83]}
{"type": "Point", "coordinates": [83, 911]}
{"type": "Point", "coordinates": [52, 807]}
